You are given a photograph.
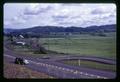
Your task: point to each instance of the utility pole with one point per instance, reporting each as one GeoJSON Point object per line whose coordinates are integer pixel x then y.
{"type": "Point", "coordinates": [47, 37]}
{"type": "Point", "coordinates": [79, 62]}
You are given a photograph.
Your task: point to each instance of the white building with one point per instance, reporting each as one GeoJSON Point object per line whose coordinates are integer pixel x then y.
{"type": "Point", "coordinates": [21, 43]}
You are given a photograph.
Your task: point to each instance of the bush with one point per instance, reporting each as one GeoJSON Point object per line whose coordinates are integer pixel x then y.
{"type": "Point", "coordinates": [102, 34]}
{"type": "Point", "coordinates": [40, 50]}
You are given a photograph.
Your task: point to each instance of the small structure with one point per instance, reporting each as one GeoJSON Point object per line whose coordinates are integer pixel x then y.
{"type": "Point", "coordinates": [21, 36]}
{"type": "Point", "coordinates": [21, 43]}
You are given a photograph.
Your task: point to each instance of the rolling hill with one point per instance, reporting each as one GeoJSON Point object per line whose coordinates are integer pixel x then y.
{"type": "Point", "coordinates": [46, 30]}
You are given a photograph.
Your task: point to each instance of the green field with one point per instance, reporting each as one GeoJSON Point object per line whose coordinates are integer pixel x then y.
{"type": "Point", "coordinates": [83, 44]}
{"type": "Point", "coordinates": [91, 64]}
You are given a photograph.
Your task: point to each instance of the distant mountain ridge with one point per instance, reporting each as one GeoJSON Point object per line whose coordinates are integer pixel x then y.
{"type": "Point", "coordinates": [9, 30]}
{"type": "Point", "coordinates": [48, 29]}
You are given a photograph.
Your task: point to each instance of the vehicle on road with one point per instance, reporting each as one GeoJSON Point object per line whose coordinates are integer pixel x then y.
{"type": "Point", "coordinates": [21, 61]}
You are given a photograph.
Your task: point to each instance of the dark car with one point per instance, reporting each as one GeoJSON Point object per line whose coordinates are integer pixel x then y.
{"type": "Point", "coordinates": [21, 61]}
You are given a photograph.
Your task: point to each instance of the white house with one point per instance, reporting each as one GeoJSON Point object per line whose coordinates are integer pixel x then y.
{"type": "Point", "coordinates": [21, 36]}
{"type": "Point", "coordinates": [22, 43]}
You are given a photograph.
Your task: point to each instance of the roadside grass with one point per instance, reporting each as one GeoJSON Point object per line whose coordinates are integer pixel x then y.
{"type": "Point", "coordinates": [13, 71]}
{"type": "Point", "coordinates": [91, 64]}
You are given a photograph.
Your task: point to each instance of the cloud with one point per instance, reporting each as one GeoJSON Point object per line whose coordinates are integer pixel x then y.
{"type": "Point", "coordinates": [54, 14]}
{"type": "Point", "coordinates": [31, 9]}
{"type": "Point", "coordinates": [30, 12]}
{"type": "Point", "coordinates": [98, 11]}
{"type": "Point", "coordinates": [36, 9]}
{"type": "Point", "coordinates": [17, 20]}
{"type": "Point", "coordinates": [14, 21]}
{"type": "Point", "coordinates": [59, 18]}
{"type": "Point", "coordinates": [6, 22]}
{"type": "Point", "coordinates": [104, 8]}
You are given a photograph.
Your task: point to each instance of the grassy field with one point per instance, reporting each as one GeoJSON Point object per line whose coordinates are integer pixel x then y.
{"type": "Point", "coordinates": [83, 44]}
{"type": "Point", "coordinates": [91, 64]}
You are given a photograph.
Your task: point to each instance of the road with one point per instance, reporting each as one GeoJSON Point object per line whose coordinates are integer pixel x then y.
{"type": "Point", "coordinates": [60, 70]}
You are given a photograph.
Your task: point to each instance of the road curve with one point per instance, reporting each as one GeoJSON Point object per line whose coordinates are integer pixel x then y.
{"type": "Point", "coordinates": [60, 70]}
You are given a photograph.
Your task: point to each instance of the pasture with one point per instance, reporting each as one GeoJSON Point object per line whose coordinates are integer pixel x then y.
{"type": "Point", "coordinates": [82, 45]}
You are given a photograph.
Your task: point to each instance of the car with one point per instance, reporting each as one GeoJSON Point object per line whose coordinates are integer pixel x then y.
{"type": "Point", "coordinates": [26, 61]}
{"type": "Point", "coordinates": [21, 61]}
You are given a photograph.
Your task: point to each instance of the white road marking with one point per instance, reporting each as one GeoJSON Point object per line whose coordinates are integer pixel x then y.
{"type": "Point", "coordinates": [91, 75]}
{"type": "Point", "coordinates": [49, 65]}
{"type": "Point", "coordinates": [56, 66]}
{"type": "Point", "coordinates": [65, 69]}
{"type": "Point", "coordinates": [71, 70]}
{"type": "Point", "coordinates": [46, 64]}
{"type": "Point", "coordinates": [81, 73]}
{"type": "Point", "coordinates": [59, 68]}
{"type": "Point", "coordinates": [98, 77]}
{"type": "Point", "coordinates": [86, 73]}
{"type": "Point", "coordinates": [43, 64]}
{"type": "Point", "coordinates": [76, 72]}
{"type": "Point", "coordinates": [52, 66]}
{"type": "Point", "coordinates": [104, 77]}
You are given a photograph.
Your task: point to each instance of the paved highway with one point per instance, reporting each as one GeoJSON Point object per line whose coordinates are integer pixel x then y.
{"type": "Point", "coordinates": [60, 70]}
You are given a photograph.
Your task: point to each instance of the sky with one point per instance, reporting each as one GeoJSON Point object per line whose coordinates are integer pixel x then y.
{"type": "Point", "coordinates": [27, 15]}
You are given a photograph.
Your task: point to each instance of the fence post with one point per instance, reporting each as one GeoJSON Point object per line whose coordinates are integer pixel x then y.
{"type": "Point", "coordinates": [79, 62]}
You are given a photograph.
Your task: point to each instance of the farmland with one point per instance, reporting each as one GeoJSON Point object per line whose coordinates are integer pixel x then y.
{"type": "Point", "coordinates": [83, 44]}
{"type": "Point", "coordinates": [69, 47]}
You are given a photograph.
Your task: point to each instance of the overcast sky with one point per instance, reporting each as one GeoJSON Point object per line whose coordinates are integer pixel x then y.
{"type": "Point", "coordinates": [25, 15]}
